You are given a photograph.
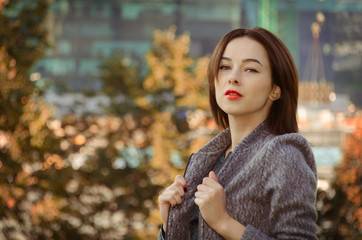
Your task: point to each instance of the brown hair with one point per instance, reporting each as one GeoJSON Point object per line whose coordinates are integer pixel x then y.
{"type": "Point", "coordinates": [282, 116]}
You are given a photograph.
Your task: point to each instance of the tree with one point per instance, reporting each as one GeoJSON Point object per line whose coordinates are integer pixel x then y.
{"type": "Point", "coordinates": [92, 177]}
{"type": "Point", "coordinates": [174, 85]}
{"type": "Point", "coordinates": [340, 207]}
{"type": "Point", "coordinates": [58, 178]}
{"type": "Point", "coordinates": [173, 94]}
{"type": "Point", "coordinates": [26, 143]}
{"type": "Point", "coordinates": [122, 83]}
{"type": "Point", "coordinates": [105, 186]}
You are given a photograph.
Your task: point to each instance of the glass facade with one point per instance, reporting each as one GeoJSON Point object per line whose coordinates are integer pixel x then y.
{"type": "Point", "coordinates": [84, 32]}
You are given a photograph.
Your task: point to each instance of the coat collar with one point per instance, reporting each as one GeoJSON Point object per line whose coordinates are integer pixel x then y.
{"type": "Point", "coordinates": [218, 144]}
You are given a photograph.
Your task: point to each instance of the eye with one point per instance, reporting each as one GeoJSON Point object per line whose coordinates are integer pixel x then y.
{"type": "Point", "coordinates": [224, 67]}
{"type": "Point", "coordinates": [250, 70]}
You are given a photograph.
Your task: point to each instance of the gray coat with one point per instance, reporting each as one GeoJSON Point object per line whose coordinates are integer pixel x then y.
{"type": "Point", "coordinates": [269, 182]}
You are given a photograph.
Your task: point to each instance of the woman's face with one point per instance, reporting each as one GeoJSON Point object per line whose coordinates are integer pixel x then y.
{"type": "Point", "coordinates": [243, 87]}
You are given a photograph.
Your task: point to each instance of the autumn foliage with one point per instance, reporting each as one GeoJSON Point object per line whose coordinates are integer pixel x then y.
{"type": "Point", "coordinates": [94, 176]}
{"type": "Point", "coordinates": [349, 179]}
{"type": "Point", "coordinates": [340, 212]}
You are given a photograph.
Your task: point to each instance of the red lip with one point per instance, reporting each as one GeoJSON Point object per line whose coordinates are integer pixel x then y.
{"type": "Point", "coordinates": [232, 94]}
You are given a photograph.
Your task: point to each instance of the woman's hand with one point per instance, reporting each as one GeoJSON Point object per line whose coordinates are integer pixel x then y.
{"type": "Point", "coordinates": [171, 196]}
{"type": "Point", "coordinates": [210, 198]}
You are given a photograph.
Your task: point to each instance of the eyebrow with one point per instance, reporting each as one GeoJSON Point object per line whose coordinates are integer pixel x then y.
{"type": "Point", "coordinates": [244, 60]}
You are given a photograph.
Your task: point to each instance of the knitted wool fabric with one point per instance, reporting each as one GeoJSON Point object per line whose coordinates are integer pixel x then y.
{"type": "Point", "coordinates": [269, 183]}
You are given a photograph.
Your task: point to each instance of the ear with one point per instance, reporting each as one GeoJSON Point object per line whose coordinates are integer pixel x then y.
{"type": "Point", "coordinates": [275, 93]}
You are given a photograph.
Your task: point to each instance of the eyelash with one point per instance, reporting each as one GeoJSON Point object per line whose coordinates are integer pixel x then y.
{"type": "Point", "coordinates": [224, 67]}
{"type": "Point", "coordinates": [251, 70]}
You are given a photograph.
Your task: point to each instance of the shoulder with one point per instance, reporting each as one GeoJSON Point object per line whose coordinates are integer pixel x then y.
{"type": "Point", "coordinates": [291, 150]}
{"type": "Point", "coordinates": [290, 143]}
{"type": "Point", "coordinates": [294, 139]}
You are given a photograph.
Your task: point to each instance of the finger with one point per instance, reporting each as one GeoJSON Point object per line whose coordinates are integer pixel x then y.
{"type": "Point", "coordinates": [172, 199]}
{"type": "Point", "coordinates": [172, 202]}
{"type": "Point", "coordinates": [212, 175]}
{"type": "Point", "coordinates": [200, 201]}
{"type": "Point", "coordinates": [177, 197]}
{"type": "Point", "coordinates": [203, 188]}
{"type": "Point", "coordinates": [201, 195]}
{"type": "Point", "coordinates": [206, 193]}
{"type": "Point", "coordinates": [165, 199]}
{"type": "Point", "coordinates": [175, 194]}
{"type": "Point", "coordinates": [181, 180]}
{"type": "Point", "coordinates": [178, 187]}
{"type": "Point", "coordinates": [209, 181]}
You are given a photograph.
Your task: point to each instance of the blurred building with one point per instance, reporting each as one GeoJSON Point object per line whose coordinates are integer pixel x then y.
{"type": "Point", "coordinates": [325, 126]}
{"type": "Point", "coordinates": [84, 32]}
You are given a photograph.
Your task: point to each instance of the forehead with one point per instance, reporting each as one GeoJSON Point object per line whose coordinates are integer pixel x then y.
{"type": "Point", "coordinates": [245, 47]}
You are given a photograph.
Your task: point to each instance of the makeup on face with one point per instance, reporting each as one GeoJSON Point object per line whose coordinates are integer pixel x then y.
{"type": "Point", "coordinates": [232, 94]}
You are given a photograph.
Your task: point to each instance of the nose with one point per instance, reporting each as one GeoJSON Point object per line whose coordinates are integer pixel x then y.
{"type": "Point", "coordinates": [233, 81]}
{"type": "Point", "coordinates": [234, 77]}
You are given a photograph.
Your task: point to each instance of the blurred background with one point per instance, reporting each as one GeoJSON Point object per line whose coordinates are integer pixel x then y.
{"type": "Point", "coordinates": [102, 102]}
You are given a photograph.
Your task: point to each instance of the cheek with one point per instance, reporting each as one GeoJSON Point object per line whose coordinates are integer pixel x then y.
{"type": "Point", "coordinates": [265, 89]}
{"type": "Point", "coordinates": [263, 86]}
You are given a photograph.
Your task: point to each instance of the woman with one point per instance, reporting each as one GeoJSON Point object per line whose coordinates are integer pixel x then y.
{"type": "Point", "coordinates": [257, 178]}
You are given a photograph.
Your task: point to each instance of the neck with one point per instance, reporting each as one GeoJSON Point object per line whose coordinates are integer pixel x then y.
{"type": "Point", "coordinates": [241, 127]}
